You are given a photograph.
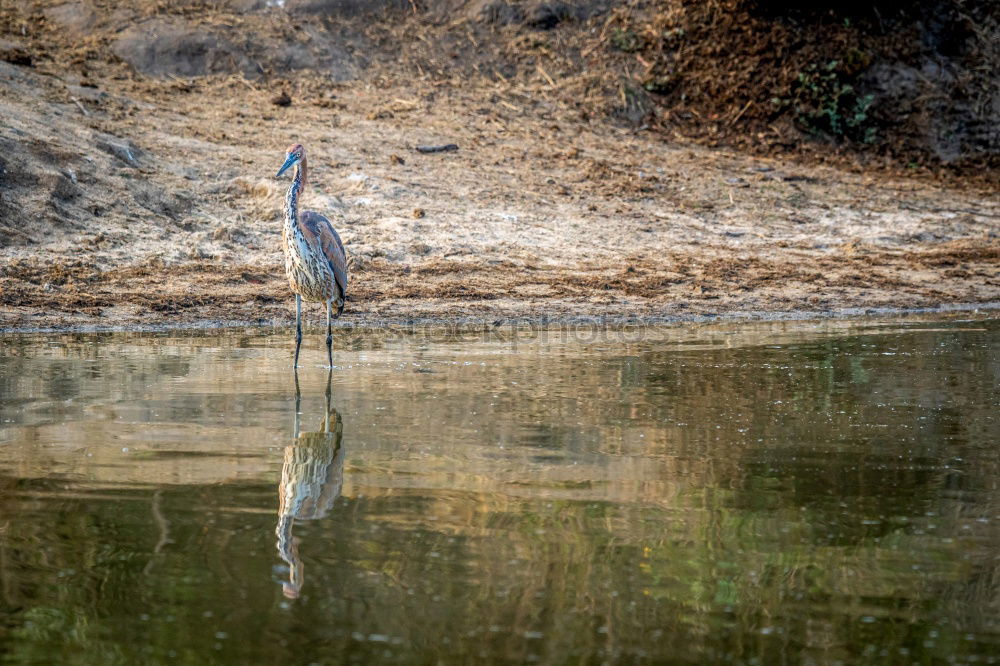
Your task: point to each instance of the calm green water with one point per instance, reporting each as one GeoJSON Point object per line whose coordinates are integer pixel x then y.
{"type": "Point", "coordinates": [808, 493]}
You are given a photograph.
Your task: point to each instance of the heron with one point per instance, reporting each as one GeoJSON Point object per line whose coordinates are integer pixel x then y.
{"type": "Point", "coordinates": [315, 262]}
{"type": "Point", "coordinates": [312, 477]}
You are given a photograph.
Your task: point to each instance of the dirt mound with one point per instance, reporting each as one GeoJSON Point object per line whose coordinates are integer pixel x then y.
{"type": "Point", "coordinates": [910, 84]}
{"type": "Point", "coordinates": [905, 85]}
{"type": "Point", "coordinates": [176, 48]}
{"type": "Point", "coordinates": [533, 14]}
{"type": "Point", "coordinates": [249, 38]}
{"type": "Point", "coordinates": [161, 47]}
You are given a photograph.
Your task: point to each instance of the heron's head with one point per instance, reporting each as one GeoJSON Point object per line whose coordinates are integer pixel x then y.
{"type": "Point", "coordinates": [290, 590]}
{"type": "Point", "coordinates": [296, 153]}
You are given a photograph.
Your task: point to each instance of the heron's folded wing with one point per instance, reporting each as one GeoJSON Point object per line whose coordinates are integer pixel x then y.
{"type": "Point", "coordinates": [329, 244]}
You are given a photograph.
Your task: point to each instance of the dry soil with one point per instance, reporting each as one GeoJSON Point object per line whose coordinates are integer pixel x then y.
{"type": "Point", "coordinates": [133, 200]}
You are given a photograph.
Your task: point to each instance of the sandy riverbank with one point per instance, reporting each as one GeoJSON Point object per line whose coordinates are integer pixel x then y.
{"type": "Point", "coordinates": [131, 201]}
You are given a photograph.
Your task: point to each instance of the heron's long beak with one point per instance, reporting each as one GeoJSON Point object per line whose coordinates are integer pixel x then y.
{"type": "Point", "coordinates": [289, 161]}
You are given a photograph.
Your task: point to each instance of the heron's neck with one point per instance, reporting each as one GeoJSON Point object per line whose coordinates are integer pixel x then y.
{"type": "Point", "coordinates": [292, 198]}
{"type": "Point", "coordinates": [286, 544]}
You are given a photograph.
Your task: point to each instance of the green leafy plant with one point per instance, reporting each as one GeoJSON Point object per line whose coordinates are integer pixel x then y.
{"type": "Point", "coordinates": [660, 81]}
{"type": "Point", "coordinates": [625, 40]}
{"type": "Point", "coordinates": [825, 101]}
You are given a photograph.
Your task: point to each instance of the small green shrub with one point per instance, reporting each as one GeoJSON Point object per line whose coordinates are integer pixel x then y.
{"type": "Point", "coordinates": [625, 40]}
{"type": "Point", "coordinates": [659, 81]}
{"type": "Point", "coordinates": [825, 101]}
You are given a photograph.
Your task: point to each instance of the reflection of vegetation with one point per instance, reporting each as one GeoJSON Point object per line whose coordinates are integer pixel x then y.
{"type": "Point", "coordinates": [585, 578]}
{"type": "Point", "coordinates": [800, 504]}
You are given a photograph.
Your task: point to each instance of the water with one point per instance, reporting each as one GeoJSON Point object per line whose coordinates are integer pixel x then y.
{"type": "Point", "coordinates": [774, 493]}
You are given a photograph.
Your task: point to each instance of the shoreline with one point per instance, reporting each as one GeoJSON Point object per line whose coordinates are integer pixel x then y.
{"type": "Point", "coordinates": [474, 324]}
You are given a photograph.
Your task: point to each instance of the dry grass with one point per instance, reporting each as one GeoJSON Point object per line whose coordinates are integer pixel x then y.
{"type": "Point", "coordinates": [545, 209]}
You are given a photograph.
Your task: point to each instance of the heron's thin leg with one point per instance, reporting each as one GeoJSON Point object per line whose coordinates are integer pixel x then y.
{"type": "Point", "coordinates": [298, 328]}
{"type": "Point", "coordinates": [329, 334]}
{"type": "Point", "coordinates": [298, 405]}
{"type": "Point", "coordinates": [329, 394]}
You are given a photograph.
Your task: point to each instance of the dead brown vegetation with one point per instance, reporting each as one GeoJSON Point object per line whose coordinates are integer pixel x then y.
{"type": "Point", "coordinates": [131, 197]}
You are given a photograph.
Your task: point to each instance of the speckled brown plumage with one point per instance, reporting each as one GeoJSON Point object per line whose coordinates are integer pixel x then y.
{"type": "Point", "coordinates": [312, 476]}
{"type": "Point", "coordinates": [315, 261]}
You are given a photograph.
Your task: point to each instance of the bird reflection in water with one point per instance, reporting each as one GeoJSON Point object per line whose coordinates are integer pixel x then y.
{"type": "Point", "coordinates": [311, 479]}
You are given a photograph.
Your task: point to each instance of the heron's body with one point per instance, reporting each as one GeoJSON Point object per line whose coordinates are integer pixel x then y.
{"type": "Point", "coordinates": [315, 262]}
